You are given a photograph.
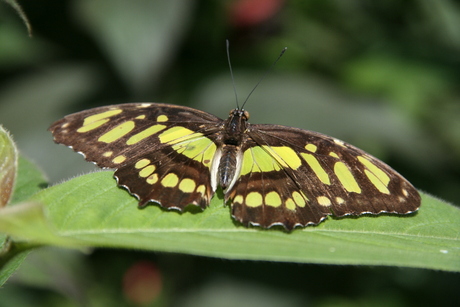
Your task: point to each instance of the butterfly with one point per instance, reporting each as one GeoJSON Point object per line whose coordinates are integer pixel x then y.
{"type": "Point", "coordinates": [270, 174]}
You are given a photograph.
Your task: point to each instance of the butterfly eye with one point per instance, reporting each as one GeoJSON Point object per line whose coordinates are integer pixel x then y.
{"type": "Point", "coordinates": [246, 114]}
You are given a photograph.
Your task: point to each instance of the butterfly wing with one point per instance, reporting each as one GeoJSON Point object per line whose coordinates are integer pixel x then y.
{"type": "Point", "coordinates": [161, 152]}
{"type": "Point", "coordinates": [296, 177]}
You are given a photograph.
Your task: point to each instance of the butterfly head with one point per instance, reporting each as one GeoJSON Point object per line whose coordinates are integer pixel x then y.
{"type": "Point", "coordinates": [240, 113]}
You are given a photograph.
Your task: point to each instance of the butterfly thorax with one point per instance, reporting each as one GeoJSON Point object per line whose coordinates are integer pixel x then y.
{"type": "Point", "coordinates": [233, 135]}
{"type": "Point", "coordinates": [235, 127]}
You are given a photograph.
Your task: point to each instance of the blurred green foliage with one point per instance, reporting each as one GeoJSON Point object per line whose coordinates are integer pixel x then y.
{"type": "Point", "coordinates": [382, 75]}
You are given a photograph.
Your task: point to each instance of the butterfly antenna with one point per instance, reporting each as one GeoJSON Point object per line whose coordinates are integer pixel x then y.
{"type": "Point", "coordinates": [263, 77]}
{"type": "Point", "coordinates": [231, 73]}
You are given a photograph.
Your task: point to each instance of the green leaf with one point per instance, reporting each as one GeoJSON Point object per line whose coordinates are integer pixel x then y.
{"type": "Point", "coordinates": [92, 211]}
{"type": "Point", "coordinates": [9, 264]}
{"type": "Point", "coordinates": [8, 166]}
{"type": "Point", "coordinates": [30, 180]}
{"type": "Point", "coordinates": [29, 221]}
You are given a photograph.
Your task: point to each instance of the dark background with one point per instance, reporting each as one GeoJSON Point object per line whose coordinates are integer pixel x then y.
{"type": "Point", "coordinates": [382, 75]}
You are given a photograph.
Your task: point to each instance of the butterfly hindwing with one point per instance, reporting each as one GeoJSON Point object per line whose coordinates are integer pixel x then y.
{"type": "Point", "coordinates": [158, 178]}
{"type": "Point", "coordinates": [270, 199]}
{"type": "Point", "coordinates": [297, 177]}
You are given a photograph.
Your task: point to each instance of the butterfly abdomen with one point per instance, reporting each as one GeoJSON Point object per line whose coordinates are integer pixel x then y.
{"type": "Point", "coordinates": [227, 165]}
